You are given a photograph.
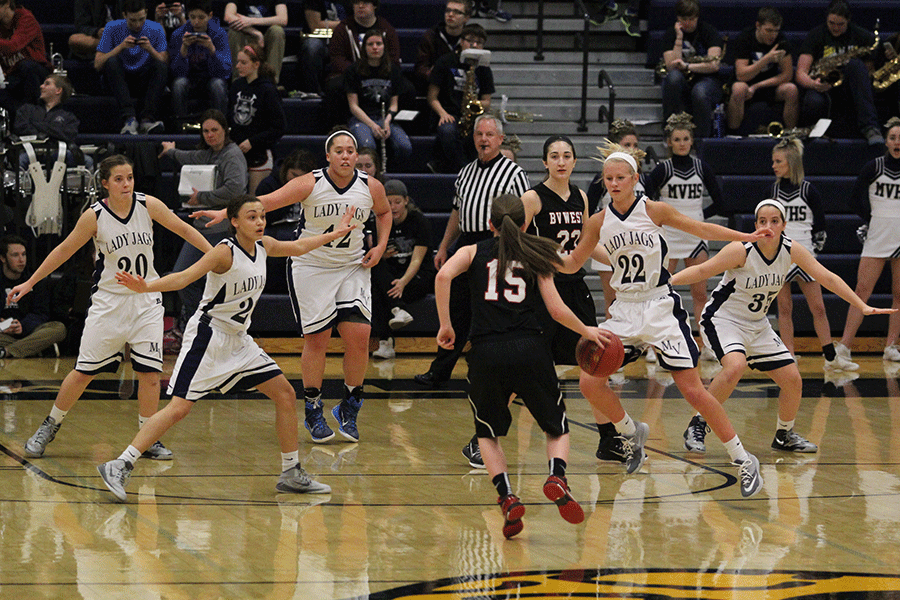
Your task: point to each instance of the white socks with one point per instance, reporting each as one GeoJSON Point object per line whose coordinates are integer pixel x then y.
{"type": "Point", "coordinates": [736, 450]}
{"type": "Point", "coordinates": [626, 426]}
{"type": "Point", "coordinates": [289, 460]}
{"type": "Point", "coordinates": [58, 415]}
{"type": "Point", "coordinates": [130, 455]}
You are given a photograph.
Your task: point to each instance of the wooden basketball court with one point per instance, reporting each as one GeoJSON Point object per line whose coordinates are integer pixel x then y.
{"type": "Point", "coordinates": [407, 518]}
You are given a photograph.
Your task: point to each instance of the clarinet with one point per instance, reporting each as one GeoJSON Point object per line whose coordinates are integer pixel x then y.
{"type": "Point", "coordinates": [383, 140]}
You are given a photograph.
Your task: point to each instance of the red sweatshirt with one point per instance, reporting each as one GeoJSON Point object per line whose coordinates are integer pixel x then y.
{"type": "Point", "coordinates": [23, 40]}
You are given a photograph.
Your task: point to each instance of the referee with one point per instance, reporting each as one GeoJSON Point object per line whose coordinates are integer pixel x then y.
{"type": "Point", "coordinates": [479, 182]}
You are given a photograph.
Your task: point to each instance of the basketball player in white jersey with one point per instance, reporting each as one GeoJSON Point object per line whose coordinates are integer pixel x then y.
{"type": "Point", "coordinates": [875, 199]}
{"type": "Point", "coordinates": [734, 322]}
{"type": "Point", "coordinates": [647, 310]}
{"type": "Point", "coordinates": [121, 227]}
{"type": "Point", "coordinates": [331, 286]}
{"type": "Point", "coordinates": [217, 353]}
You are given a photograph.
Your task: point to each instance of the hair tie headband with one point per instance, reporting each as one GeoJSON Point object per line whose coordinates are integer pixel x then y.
{"type": "Point", "coordinates": [341, 132]}
{"type": "Point", "coordinates": [626, 157]}
{"type": "Point", "coordinates": [775, 203]}
{"type": "Point", "coordinates": [251, 52]}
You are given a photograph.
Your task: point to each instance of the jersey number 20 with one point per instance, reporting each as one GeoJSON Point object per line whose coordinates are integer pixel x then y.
{"type": "Point", "coordinates": [141, 265]}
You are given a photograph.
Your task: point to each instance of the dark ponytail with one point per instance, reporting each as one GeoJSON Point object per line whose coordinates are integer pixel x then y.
{"type": "Point", "coordinates": [537, 256]}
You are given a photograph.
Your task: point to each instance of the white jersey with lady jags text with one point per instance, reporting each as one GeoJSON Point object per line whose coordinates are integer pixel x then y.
{"type": "Point", "coordinates": [744, 294]}
{"type": "Point", "coordinates": [323, 211]}
{"type": "Point", "coordinates": [636, 248]}
{"type": "Point", "coordinates": [229, 298]}
{"type": "Point", "coordinates": [122, 245]}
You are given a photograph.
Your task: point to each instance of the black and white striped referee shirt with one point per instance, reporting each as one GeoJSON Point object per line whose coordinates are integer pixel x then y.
{"type": "Point", "coordinates": [479, 183]}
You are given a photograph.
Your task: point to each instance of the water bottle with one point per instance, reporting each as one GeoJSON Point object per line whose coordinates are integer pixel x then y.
{"type": "Point", "coordinates": [718, 124]}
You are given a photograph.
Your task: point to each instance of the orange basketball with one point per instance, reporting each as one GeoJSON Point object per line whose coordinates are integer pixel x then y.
{"type": "Point", "coordinates": [597, 361]}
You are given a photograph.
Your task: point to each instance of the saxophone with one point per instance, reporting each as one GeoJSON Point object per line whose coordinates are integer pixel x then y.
{"type": "Point", "coordinates": [471, 105]}
{"type": "Point", "coordinates": [889, 74]}
{"type": "Point", "coordinates": [661, 68]}
{"type": "Point", "coordinates": [828, 68]}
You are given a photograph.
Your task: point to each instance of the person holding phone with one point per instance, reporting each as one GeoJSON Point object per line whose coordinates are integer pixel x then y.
{"type": "Point", "coordinates": [133, 58]}
{"type": "Point", "coordinates": [200, 62]}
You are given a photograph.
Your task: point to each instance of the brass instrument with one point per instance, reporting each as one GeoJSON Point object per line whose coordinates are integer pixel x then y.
{"type": "Point", "coordinates": [56, 60]}
{"type": "Point", "coordinates": [510, 115]}
{"type": "Point", "coordinates": [322, 33]}
{"type": "Point", "coordinates": [776, 130]}
{"type": "Point", "coordinates": [471, 105]}
{"type": "Point", "coordinates": [661, 68]}
{"type": "Point", "coordinates": [889, 74]}
{"type": "Point", "coordinates": [828, 68]}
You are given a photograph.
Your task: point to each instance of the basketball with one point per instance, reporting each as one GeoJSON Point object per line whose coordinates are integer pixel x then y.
{"type": "Point", "coordinates": [597, 361]}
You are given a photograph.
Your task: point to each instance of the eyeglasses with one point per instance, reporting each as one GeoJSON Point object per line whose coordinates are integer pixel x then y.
{"type": "Point", "coordinates": [454, 11]}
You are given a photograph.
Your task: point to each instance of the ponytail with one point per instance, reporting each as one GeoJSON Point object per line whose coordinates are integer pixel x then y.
{"type": "Point", "coordinates": [536, 256]}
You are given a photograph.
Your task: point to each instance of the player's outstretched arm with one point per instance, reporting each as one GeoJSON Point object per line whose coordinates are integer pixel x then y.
{"type": "Point", "coordinates": [665, 214]}
{"type": "Point", "coordinates": [587, 243]}
{"type": "Point", "coordinates": [804, 259]}
{"type": "Point", "coordinates": [163, 215]}
{"type": "Point", "coordinates": [85, 228]}
{"type": "Point", "coordinates": [730, 257]}
{"type": "Point", "coordinates": [303, 245]}
{"type": "Point", "coordinates": [217, 260]}
{"type": "Point", "coordinates": [564, 315]}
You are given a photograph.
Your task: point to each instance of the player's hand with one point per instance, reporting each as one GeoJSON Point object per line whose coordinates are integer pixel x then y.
{"type": "Point", "coordinates": [871, 310]}
{"type": "Point", "coordinates": [135, 283]}
{"type": "Point", "coordinates": [601, 337]}
{"type": "Point", "coordinates": [762, 232]}
{"type": "Point", "coordinates": [345, 227]}
{"type": "Point", "coordinates": [372, 257]}
{"type": "Point", "coordinates": [17, 293]}
{"type": "Point", "coordinates": [215, 216]}
{"type": "Point", "coordinates": [446, 337]}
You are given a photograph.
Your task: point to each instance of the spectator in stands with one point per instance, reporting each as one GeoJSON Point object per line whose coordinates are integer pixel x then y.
{"type": "Point", "coordinates": [446, 91]}
{"type": "Point", "coordinates": [91, 16]}
{"type": "Point", "coordinates": [404, 274]}
{"type": "Point", "coordinates": [48, 118]}
{"type": "Point", "coordinates": [693, 50]}
{"type": "Point", "coordinates": [345, 48]}
{"type": "Point", "coordinates": [370, 163]}
{"type": "Point", "coordinates": [216, 148]}
{"type": "Point", "coordinates": [610, 12]}
{"type": "Point", "coordinates": [373, 86]}
{"type": "Point", "coordinates": [441, 39]}
{"type": "Point", "coordinates": [321, 15]}
{"type": "Point", "coordinates": [491, 9]}
{"type": "Point", "coordinates": [133, 58]}
{"type": "Point", "coordinates": [262, 23]}
{"type": "Point", "coordinates": [255, 112]}
{"type": "Point", "coordinates": [764, 70]}
{"type": "Point", "coordinates": [853, 101]}
{"type": "Point", "coordinates": [171, 16]}
{"type": "Point", "coordinates": [874, 199]}
{"type": "Point", "coordinates": [25, 325]}
{"type": "Point", "coordinates": [22, 55]}
{"type": "Point", "coordinates": [201, 61]}
{"type": "Point", "coordinates": [478, 183]}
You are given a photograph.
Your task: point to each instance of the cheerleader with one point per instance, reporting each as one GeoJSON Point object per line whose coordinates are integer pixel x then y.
{"type": "Point", "coordinates": [647, 310]}
{"type": "Point", "coordinates": [217, 353]}
{"type": "Point", "coordinates": [683, 181]}
{"type": "Point", "coordinates": [875, 200]}
{"type": "Point", "coordinates": [805, 225]}
{"type": "Point", "coordinates": [735, 326]}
